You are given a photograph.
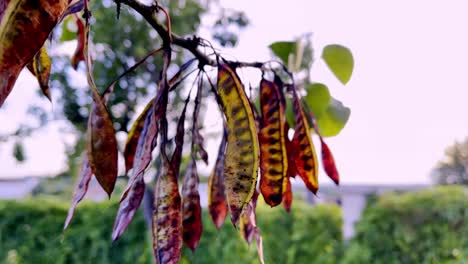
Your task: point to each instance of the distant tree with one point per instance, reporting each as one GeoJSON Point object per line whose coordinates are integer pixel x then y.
{"type": "Point", "coordinates": [453, 169]}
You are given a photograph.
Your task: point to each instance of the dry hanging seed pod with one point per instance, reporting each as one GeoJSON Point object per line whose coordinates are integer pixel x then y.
{"type": "Point", "coordinates": [241, 162]}
{"type": "Point", "coordinates": [305, 156]}
{"type": "Point", "coordinates": [167, 215]}
{"type": "Point", "coordinates": [191, 208]}
{"type": "Point", "coordinates": [80, 190]}
{"type": "Point", "coordinates": [40, 67]}
{"type": "Point", "coordinates": [273, 158]}
{"type": "Point", "coordinates": [287, 194]}
{"type": "Point", "coordinates": [329, 164]}
{"type": "Point", "coordinates": [217, 205]}
{"type": "Point", "coordinates": [101, 142]}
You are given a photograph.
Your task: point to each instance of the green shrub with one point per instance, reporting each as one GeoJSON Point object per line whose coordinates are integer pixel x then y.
{"type": "Point", "coordinates": [31, 232]}
{"type": "Point", "coordinates": [307, 235]}
{"type": "Point", "coordinates": [428, 226]}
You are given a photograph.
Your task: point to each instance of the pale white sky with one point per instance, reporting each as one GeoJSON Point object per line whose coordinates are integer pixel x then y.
{"type": "Point", "coordinates": [408, 94]}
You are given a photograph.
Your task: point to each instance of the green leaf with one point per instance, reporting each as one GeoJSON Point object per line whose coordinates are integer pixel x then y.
{"type": "Point", "coordinates": [282, 49]}
{"type": "Point", "coordinates": [340, 61]}
{"type": "Point", "coordinates": [333, 120]}
{"type": "Point", "coordinates": [299, 51]}
{"type": "Point", "coordinates": [68, 30]}
{"type": "Point", "coordinates": [318, 98]}
{"type": "Point", "coordinates": [289, 112]}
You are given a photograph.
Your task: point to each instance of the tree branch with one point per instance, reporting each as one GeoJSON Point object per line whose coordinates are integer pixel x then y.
{"type": "Point", "coordinates": [191, 44]}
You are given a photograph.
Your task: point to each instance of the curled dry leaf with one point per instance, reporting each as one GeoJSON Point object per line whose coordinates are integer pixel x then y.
{"type": "Point", "coordinates": [40, 67]}
{"type": "Point", "coordinates": [217, 205]}
{"type": "Point", "coordinates": [273, 158]}
{"type": "Point", "coordinates": [191, 208]}
{"type": "Point", "coordinates": [80, 190]}
{"type": "Point", "coordinates": [35, 19]}
{"type": "Point", "coordinates": [242, 154]}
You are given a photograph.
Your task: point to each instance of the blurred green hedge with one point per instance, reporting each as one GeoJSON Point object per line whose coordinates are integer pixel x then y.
{"type": "Point", "coordinates": [429, 226]}
{"type": "Point", "coordinates": [31, 232]}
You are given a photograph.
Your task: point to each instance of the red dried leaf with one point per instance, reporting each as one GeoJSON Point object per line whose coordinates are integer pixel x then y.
{"type": "Point", "coordinates": [217, 205]}
{"type": "Point", "coordinates": [191, 208]}
{"type": "Point", "coordinates": [80, 190]}
{"type": "Point", "coordinates": [35, 19]}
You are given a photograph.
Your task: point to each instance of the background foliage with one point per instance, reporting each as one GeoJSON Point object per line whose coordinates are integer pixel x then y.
{"type": "Point", "coordinates": [453, 169]}
{"type": "Point", "coordinates": [423, 227]}
{"type": "Point", "coordinates": [31, 232]}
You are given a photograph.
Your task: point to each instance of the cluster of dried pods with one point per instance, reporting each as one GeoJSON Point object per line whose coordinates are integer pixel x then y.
{"type": "Point", "coordinates": [252, 138]}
